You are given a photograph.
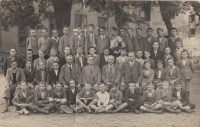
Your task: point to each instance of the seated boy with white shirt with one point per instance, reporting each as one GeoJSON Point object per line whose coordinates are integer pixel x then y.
{"type": "Point", "coordinates": [103, 99]}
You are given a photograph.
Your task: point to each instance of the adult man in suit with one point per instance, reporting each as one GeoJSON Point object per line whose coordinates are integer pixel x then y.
{"type": "Point", "coordinates": [79, 58]}
{"type": "Point", "coordinates": [149, 39]}
{"type": "Point", "coordinates": [91, 38]}
{"type": "Point", "coordinates": [163, 42]}
{"type": "Point", "coordinates": [104, 57]}
{"type": "Point", "coordinates": [111, 73]}
{"type": "Point", "coordinates": [53, 74]}
{"type": "Point", "coordinates": [125, 39]}
{"type": "Point", "coordinates": [70, 71]}
{"type": "Point", "coordinates": [140, 39]}
{"type": "Point", "coordinates": [7, 60]}
{"type": "Point", "coordinates": [131, 72]}
{"type": "Point", "coordinates": [156, 54]}
{"type": "Point", "coordinates": [91, 74]}
{"type": "Point", "coordinates": [102, 41]}
{"type": "Point", "coordinates": [134, 42]}
{"type": "Point", "coordinates": [14, 76]}
{"type": "Point", "coordinates": [77, 40]}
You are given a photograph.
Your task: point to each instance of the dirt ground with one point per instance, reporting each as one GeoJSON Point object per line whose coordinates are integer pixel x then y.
{"type": "Point", "coordinates": [12, 119]}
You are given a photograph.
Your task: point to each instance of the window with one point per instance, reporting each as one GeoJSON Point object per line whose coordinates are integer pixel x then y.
{"type": "Point", "coordinates": [51, 26]}
{"type": "Point", "coordinates": [148, 13]}
{"type": "Point", "coordinates": [80, 20]}
{"type": "Point", "coordinates": [103, 22]}
{"type": "Point", "coordinates": [192, 26]}
{"type": "Point", "coordinates": [23, 34]}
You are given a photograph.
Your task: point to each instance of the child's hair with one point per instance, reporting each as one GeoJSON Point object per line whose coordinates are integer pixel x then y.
{"type": "Point", "coordinates": [165, 82]}
{"type": "Point", "coordinates": [13, 48]}
{"type": "Point", "coordinates": [139, 51]}
{"type": "Point", "coordinates": [159, 62]}
{"type": "Point", "coordinates": [159, 29]}
{"type": "Point", "coordinates": [29, 50]}
{"type": "Point", "coordinates": [92, 47]}
{"type": "Point", "coordinates": [131, 52]}
{"type": "Point", "coordinates": [23, 82]}
{"type": "Point", "coordinates": [45, 29]}
{"type": "Point", "coordinates": [176, 83]}
{"type": "Point", "coordinates": [122, 28]}
{"type": "Point", "coordinates": [185, 51]}
{"type": "Point", "coordinates": [147, 51]}
{"type": "Point", "coordinates": [102, 28]}
{"type": "Point", "coordinates": [42, 82]}
{"type": "Point", "coordinates": [79, 47]}
{"type": "Point", "coordinates": [130, 29]}
{"type": "Point", "coordinates": [55, 30]}
{"type": "Point", "coordinates": [101, 84]}
{"type": "Point", "coordinates": [72, 80]}
{"type": "Point", "coordinates": [28, 61]}
{"type": "Point", "coordinates": [155, 42]}
{"type": "Point", "coordinates": [58, 83]}
{"type": "Point", "coordinates": [170, 58]}
{"type": "Point", "coordinates": [41, 62]}
{"type": "Point", "coordinates": [14, 60]}
{"type": "Point", "coordinates": [56, 61]}
{"type": "Point", "coordinates": [168, 48]}
{"type": "Point", "coordinates": [139, 29]}
{"type": "Point", "coordinates": [106, 48]}
{"type": "Point", "coordinates": [174, 29]}
{"type": "Point", "coordinates": [91, 25]}
{"type": "Point", "coordinates": [147, 61]}
{"type": "Point", "coordinates": [40, 50]}
{"type": "Point", "coordinates": [179, 40]}
{"type": "Point", "coordinates": [53, 48]}
{"type": "Point", "coordinates": [114, 84]}
{"type": "Point", "coordinates": [130, 83]}
{"type": "Point", "coordinates": [65, 27]}
{"type": "Point", "coordinates": [87, 84]}
{"type": "Point", "coordinates": [150, 29]}
{"type": "Point", "coordinates": [114, 28]}
{"type": "Point", "coordinates": [123, 48]}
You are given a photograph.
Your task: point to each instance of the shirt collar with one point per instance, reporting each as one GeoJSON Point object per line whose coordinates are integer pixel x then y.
{"type": "Point", "coordinates": [179, 49]}
{"type": "Point", "coordinates": [92, 55]}
{"type": "Point", "coordinates": [79, 55]}
{"type": "Point", "coordinates": [172, 67]}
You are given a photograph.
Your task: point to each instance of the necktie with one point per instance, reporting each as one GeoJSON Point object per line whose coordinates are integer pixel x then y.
{"type": "Point", "coordinates": [29, 70]}
{"type": "Point", "coordinates": [70, 69]}
{"type": "Point", "coordinates": [111, 70]}
{"type": "Point", "coordinates": [93, 40]}
{"type": "Point", "coordinates": [91, 74]}
{"type": "Point", "coordinates": [42, 95]}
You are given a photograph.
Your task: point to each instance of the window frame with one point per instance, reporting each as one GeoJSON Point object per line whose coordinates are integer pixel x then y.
{"type": "Point", "coordinates": [192, 22]}
{"type": "Point", "coordinates": [106, 27]}
{"type": "Point", "coordinates": [26, 34]}
{"type": "Point", "coordinates": [82, 15]}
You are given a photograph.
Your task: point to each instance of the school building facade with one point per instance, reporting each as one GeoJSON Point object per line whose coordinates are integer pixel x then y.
{"type": "Point", "coordinates": [187, 25]}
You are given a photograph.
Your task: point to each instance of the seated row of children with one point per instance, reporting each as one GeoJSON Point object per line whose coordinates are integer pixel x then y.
{"type": "Point", "coordinates": [71, 100]}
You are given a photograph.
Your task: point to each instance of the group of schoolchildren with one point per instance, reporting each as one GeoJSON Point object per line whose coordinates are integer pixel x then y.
{"type": "Point", "coordinates": [89, 73]}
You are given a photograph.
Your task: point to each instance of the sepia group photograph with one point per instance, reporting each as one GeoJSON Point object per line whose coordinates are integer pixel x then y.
{"type": "Point", "coordinates": [99, 63]}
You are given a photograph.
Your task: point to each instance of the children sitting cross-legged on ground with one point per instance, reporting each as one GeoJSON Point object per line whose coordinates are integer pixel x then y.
{"type": "Point", "coordinates": [86, 98]}
{"type": "Point", "coordinates": [23, 99]}
{"type": "Point", "coordinates": [103, 99]}
{"type": "Point", "coordinates": [41, 101]}
{"type": "Point", "coordinates": [181, 95]}
{"type": "Point", "coordinates": [150, 101]}
{"type": "Point", "coordinates": [165, 99]}
{"type": "Point", "coordinates": [58, 97]}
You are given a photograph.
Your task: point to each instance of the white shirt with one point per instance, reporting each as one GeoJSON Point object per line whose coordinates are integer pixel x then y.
{"type": "Point", "coordinates": [80, 59]}
{"type": "Point", "coordinates": [150, 94]}
{"type": "Point", "coordinates": [160, 38]}
{"type": "Point", "coordinates": [131, 63]}
{"type": "Point", "coordinates": [56, 39]}
{"type": "Point", "coordinates": [178, 94]}
{"type": "Point", "coordinates": [103, 37]}
{"type": "Point", "coordinates": [103, 98]}
{"type": "Point", "coordinates": [73, 90]}
{"type": "Point", "coordinates": [106, 58]}
{"type": "Point", "coordinates": [24, 94]}
{"type": "Point", "coordinates": [155, 52]}
{"type": "Point", "coordinates": [56, 71]}
{"type": "Point", "coordinates": [171, 69]}
{"type": "Point", "coordinates": [184, 61]}
{"type": "Point", "coordinates": [159, 73]}
{"type": "Point", "coordinates": [148, 38]}
{"type": "Point", "coordinates": [123, 59]}
{"type": "Point", "coordinates": [42, 95]}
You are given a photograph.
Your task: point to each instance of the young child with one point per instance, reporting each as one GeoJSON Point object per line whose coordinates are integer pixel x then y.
{"type": "Point", "coordinates": [96, 57]}
{"type": "Point", "coordinates": [55, 35]}
{"type": "Point", "coordinates": [52, 58]}
{"type": "Point", "coordinates": [139, 57]}
{"type": "Point", "coordinates": [165, 99]}
{"type": "Point", "coordinates": [104, 57]}
{"type": "Point", "coordinates": [182, 96]}
{"type": "Point", "coordinates": [41, 74]}
{"type": "Point", "coordinates": [146, 58]}
{"type": "Point", "coordinates": [103, 99]}
{"type": "Point", "coordinates": [86, 98]}
{"type": "Point", "coordinates": [62, 58]}
{"type": "Point", "coordinates": [41, 101]}
{"type": "Point", "coordinates": [79, 58]}
{"type": "Point", "coordinates": [186, 67]}
{"type": "Point", "coordinates": [23, 99]}
{"type": "Point", "coordinates": [167, 54]}
{"type": "Point", "coordinates": [150, 101]}
{"type": "Point", "coordinates": [39, 60]}
{"type": "Point", "coordinates": [58, 97]}
{"type": "Point", "coordinates": [53, 74]}
{"type": "Point", "coordinates": [179, 49]}
{"type": "Point", "coordinates": [122, 58]}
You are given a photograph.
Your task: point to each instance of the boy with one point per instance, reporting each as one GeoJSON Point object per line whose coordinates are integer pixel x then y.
{"type": "Point", "coordinates": [103, 99]}
{"type": "Point", "coordinates": [172, 41]}
{"type": "Point", "coordinates": [134, 42]}
{"type": "Point", "coordinates": [86, 98]}
{"type": "Point", "coordinates": [167, 54]}
{"type": "Point", "coordinates": [156, 54]}
{"type": "Point", "coordinates": [64, 41]}
{"type": "Point", "coordinates": [122, 58]}
{"type": "Point", "coordinates": [53, 74]}
{"type": "Point", "coordinates": [102, 41]}
{"type": "Point", "coordinates": [104, 57]}
{"type": "Point", "coordinates": [29, 56]}
{"type": "Point", "coordinates": [179, 49]}
{"type": "Point", "coordinates": [32, 43]}
{"type": "Point", "coordinates": [14, 76]}
{"type": "Point", "coordinates": [39, 60]}
{"type": "Point", "coordinates": [182, 96]}
{"type": "Point", "coordinates": [139, 57]}
{"type": "Point", "coordinates": [163, 42]}
{"type": "Point", "coordinates": [41, 101]}
{"type": "Point", "coordinates": [53, 57]}
{"type": "Point", "coordinates": [79, 58]}
{"type": "Point", "coordinates": [58, 97]}
{"type": "Point", "coordinates": [55, 35]}
{"type": "Point", "coordinates": [152, 62]}
{"type": "Point", "coordinates": [140, 39]}
{"type": "Point", "coordinates": [96, 57]}
{"type": "Point", "coordinates": [150, 101]}
{"type": "Point", "coordinates": [62, 59]}
{"type": "Point", "coordinates": [125, 39]}
{"type": "Point", "coordinates": [23, 99]}
{"type": "Point", "coordinates": [186, 67]}
{"type": "Point", "coordinates": [149, 39]}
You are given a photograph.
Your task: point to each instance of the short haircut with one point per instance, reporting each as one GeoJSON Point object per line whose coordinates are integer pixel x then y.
{"type": "Point", "coordinates": [69, 56]}
{"type": "Point", "coordinates": [14, 60]}
{"type": "Point", "coordinates": [90, 57]}
{"type": "Point", "coordinates": [41, 62]}
{"type": "Point", "coordinates": [130, 83]}
{"type": "Point", "coordinates": [54, 30]}
{"type": "Point", "coordinates": [150, 29]}
{"type": "Point", "coordinates": [123, 48]}
{"type": "Point", "coordinates": [139, 51]}
{"type": "Point", "coordinates": [42, 83]}
{"type": "Point", "coordinates": [91, 47]}
{"type": "Point", "coordinates": [13, 48]}
{"type": "Point", "coordinates": [53, 48]}
{"type": "Point", "coordinates": [72, 80]}
{"type": "Point", "coordinates": [106, 48]}
{"type": "Point", "coordinates": [170, 58]}
{"type": "Point", "coordinates": [91, 25]}
{"type": "Point", "coordinates": [147, 61]}
{"type": "Point", "coordinates": [159, 29]}
{"type": "Point", "coordinates": [28, 61]}
{"type": "Point", "coordinates": [102, 84]}
{"type": "Point", "coordinates": [29, 50]}
{"type": "Point", "coordinates": [79, 47]}
{"type": "Point", "coordinates": [165, 82]}
{"type": "Point", "coordinates": [185, 51]}
{"type": "Point", "coordinates": [65, 27]}
{"type": "Point", "coordinates": [131, 52]}
{"type": "Point", "coordinates": [122, 28]}
{"type": "Point", "coordinates": [139, 29]}
{"type": "Point", "coordinates": [179, 40]}
{"type": "Point", "coordinates": [56, 61]}
{"type": "Point", "coordinates": [23, 82]}
{"type": "Point", "coordinates": [114, 84]}
{"type": "Point", "coordinates": [40, 50]}
{"type": "Point", "coordinates": [58, 83]}
{"type": "Point", "coordinates": [131, 29]}
{"type": "Point", "coordinates": [174, 29]}
{"type": "Point", "coordinates": [44, 28]}
{"type": "Point", "coordinates": [168, 48]}
{"type": "Point", "coordinates": [147, 51]}
{"type": "Point", "coordinates": [103, 28]}
{"type": "Point", "coordinates": [33, 29]}
{"type": "Point", "coordinates": [177, 83]}
{"type": "Point", "coordinates": [88, 84]}
{"type": "Point", "coordinates": [159, 62]}
{"type": "Point", "coordinates": [111, 56]}
{"type": "Point", "coordinates": [114, 28]}
{"type": "Point", "coordinates": [155, 42]}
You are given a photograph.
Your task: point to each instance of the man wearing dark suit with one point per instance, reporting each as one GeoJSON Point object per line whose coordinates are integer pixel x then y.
{"type": "Point", "coordinates": [29, 57]}
{"type": "Point", "coordinates": [41, 74]}
{"type": "Point", "coordinates": [79, 58]}
{"type": "Point", "coordinates": [91, 39]}
{"type": "Point", "coordinates": [131, 72]}
{"type": "Point", "coordinates": [62, 59]}
{"type": "Point", "coordinates": [134, 42]}
{"type": "Point", "coordinates": [70, 71]}
{"type": "Point", "coordinates": [140, 39]}
{"type": "Point", "coordinates": [126, 40]}
{"type": "Point", "coordinates": [53, 74]}
{"type": "Point", "coordinates": [91, 74]}
{"type": "Point", "coordinates": [149, 39]}
{"type": "Point", "coordinates": [163, 42]}
{"type": "Point", "coordinates": [155, 53]}
{"type": "Point", "coordinates": [172, 41]}
{"type": "Point", "coordinates": [102, 41]}
{"type": "Point", "coordinates": [104, 58]}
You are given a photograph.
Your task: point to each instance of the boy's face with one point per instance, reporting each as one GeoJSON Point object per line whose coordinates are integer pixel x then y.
{"type": "Point", "coordinates": [102, 88]}
{"type": "Point", "coordinates": [55, 33]}
{"type": "Point", "coordinates": [80, 50]}
{"type": "Point", "coordinates": [41, 54]}
{"type": "Point", "coordinates": [184, 55]}
{"type": "Point", "coordinates": [159, 66]}
{"type": "Point", "coordinates": [91, 29]}
{"type": "Point", "coordinates": [66, 31]}
{"type": "Point", "coordinates": [131, 87]}
{"type": "Point", "coordinates": [90, 61]}
{"type": "Point", "coordinates": [33, 33]}
{"type": "Point", "coordinates": [53, 53]}
{"type": "Point", "coordinates": [123, 52]}
{"type": "Point", "coordinates": [149, 32]}
{"type": "Point", "coordinates": [122, 32]}
{"type": "Point", "coordinates": [44, 33]}
{"type": "Point", "coordinates": [92, 51]}
{"type": "Point", "coordinates": [155, 45]}
{"type": "Point", "coordinates": [149, 88]}
{"type": "Point", "coordinates": [114, 89]}
{"type": "Point", "coordinates": [139, 54]}
{"type": "Point", "coordinates": [167, 50]}
{"type": "Point", "coordinates": [88, 87]}
{"type": "Point", "coordinates": [110, 60]}
{"type": "Point", "coordinates": [41, 87]}
{"type": "Point", "coordinates": [67, 50]}
{"type": "Point", "coordinates": [178, 45]}
{"type": "Point", "coordinates": [147, 65]}
{"type": "Point", "coordinates": [102, 31]}
{"type": "Point", "coordinates": [173, 33]}
{"type": "Point", "coordinates": [14, 65]}
{"type": "Point", "coordinates": [146, 55]}
{"type": "Point", "coordinates": [130, 32]}
{"type": "Point", "coordinates": [139, 32]}
{"type": "Point", "coordinates": [55, 66]}
{"type": "Point", "coordinates": [113, 33]}
{"type": "Point", "coordinates": [13, 52]}
{"type": "Point", "coordinates": [58, 86]}
{"type": "Point", "coordinates": [29, 65]}
{"type": "Point", "coordinates": [23, 86]}
{"type": "Point", "coordinates": [170, 62]}
{"type": "Point", "coordinates": [29, 54]}
{"type": "Point", "coordinates": [131, 57]}
{"type": "Point", "coordinates": [72, 84]}
{"type": "Point", "coordinates": [160, 33]}
{"type": "Point", "coordinates": [165, 85]}
{"type": "Point", "coordinates": [69, 60]}
{"type": "Point", "coordinates": [41, 66]}
{"type": "Point", "coordinates": [106, 52]}
{"type": "Point", "coordinates": [178, 87]}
